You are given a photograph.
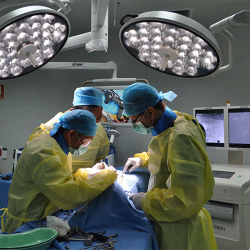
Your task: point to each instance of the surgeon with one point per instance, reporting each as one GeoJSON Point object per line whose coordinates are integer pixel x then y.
{"type": "Point", "coordinates": [87, 98]}
{"type": "Point", "coordinates": [181, 179]}
{"type": "Point", "coordinates": [43, 183]}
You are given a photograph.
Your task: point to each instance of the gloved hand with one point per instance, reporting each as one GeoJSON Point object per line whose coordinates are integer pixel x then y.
{"type": "Point", "coordinates": [112, 169]}
{"type": "Point", "coordinates": [96, 169]}
{"type": "Point", "coordinates": [137, 199]}
{"type": "Point", "coordinates": [93, 171]}
{"type": "Point", "coordinates": [100, 165]}
{"type": "Point", "coordinates": [132, 164]}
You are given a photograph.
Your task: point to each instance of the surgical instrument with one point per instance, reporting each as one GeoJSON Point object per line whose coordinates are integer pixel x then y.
{"type": "Point", "coordinates": [110, 246]}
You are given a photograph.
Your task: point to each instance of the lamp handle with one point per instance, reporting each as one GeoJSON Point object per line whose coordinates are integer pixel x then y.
{"type": "Point", "coordinates": [128, 15]}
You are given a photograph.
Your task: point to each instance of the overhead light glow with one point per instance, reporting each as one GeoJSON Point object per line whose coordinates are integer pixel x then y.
{"type": "Point", "coordinates": [29, 38]}
{"type": "Point", "coordinates": [171, 43]}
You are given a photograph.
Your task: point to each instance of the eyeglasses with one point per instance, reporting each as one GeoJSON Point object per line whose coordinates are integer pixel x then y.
{"type": "Point", "coordinates": [137, 117]}
{"type": "Point", "coordinates": [85, 142]}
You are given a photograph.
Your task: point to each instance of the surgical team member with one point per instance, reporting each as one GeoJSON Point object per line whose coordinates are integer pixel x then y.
{"type": "Point", "coordinates": [43, 183]}
{"type": "Point", "coordinates": [87, 98]}
{"type": "Point", "coordinates": [181, 179]}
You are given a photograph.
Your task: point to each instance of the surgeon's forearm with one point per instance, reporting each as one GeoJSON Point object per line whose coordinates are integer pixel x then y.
{"type": "Point", "coordinates": [84, 191]}
{"type": "Point", "coordinates": [69, 192]}
{"type": "Point", "coordinates": [163, 205]}
{"type": "Point", "coordinates": [105, 178]}
{"type": "Point", "coordinates": [82, 173]}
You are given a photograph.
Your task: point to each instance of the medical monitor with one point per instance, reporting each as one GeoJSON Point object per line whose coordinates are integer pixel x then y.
{"type": "Point", "coordinates": [113, 111]}
{"type": "Point", "coordinates": [239, 127]}
{"type": "Point", "coordinates": [213, 121]}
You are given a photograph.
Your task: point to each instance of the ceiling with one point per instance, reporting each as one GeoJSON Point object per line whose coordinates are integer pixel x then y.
{"type": "Point", "coordinates": [206, 12]}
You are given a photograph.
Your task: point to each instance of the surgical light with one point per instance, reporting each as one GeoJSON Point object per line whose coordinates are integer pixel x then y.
{"type": "Point", "coordinates": [171, 43]}
{"type": "Point", "coordinates": [29, 38]}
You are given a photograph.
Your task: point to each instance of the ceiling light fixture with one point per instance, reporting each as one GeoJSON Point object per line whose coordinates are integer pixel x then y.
{"type": "Point", "coordinates": [171, 43]}
{"type": "Point", "coordinates": [29, 38]}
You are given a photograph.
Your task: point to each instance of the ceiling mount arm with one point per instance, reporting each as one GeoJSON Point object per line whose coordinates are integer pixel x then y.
{"type": "Point", "coordinates": [96, 66]}
{"type": "Point", "coordinates": [231, 56]}
{"type": "Point", "coordinates": [113, 66]}
{"type": "Point", "coordinates": [65, 9]}
{"type": "Point", "coordinates": [239, 19]}
{"type": "Point", "coordinates": [114, 81]}
{"type": "Point", "coordinates": [99, 26]}
{"type": "Point", "coordinates": [77, 41]}
{"type": "Point", "coordinates": [99, 30]}
{"type": "Point", "coordinates": [101, 11]}
{"type": "Point", "coordinates": [79, 65]}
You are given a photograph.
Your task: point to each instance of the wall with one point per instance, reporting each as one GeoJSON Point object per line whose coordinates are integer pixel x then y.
{"type": "Point", "coordinates": [36, 97]}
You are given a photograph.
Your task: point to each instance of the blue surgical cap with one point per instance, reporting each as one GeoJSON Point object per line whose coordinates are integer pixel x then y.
{"type": "Point", "coordinates": [139, 96]}
{"type": "Point", "coordinates": [82, 121]}
{"type": "Point", "coordinates": [87, 96]}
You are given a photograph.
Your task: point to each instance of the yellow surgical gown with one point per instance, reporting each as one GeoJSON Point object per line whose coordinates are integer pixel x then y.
{"type": "Point", "coordinates": [181, 183]}
{"type": "Point", "coordinates": [42, 182]}
{"type": "Point", "coordinates": [98, 150]}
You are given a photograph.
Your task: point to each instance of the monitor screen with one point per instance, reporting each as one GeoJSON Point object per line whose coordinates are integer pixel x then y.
{"type": "Point", "coordinates": [213, 122]}
{"type": "Point", "coordinates": [113, 110]}
{"type": "Point", "coordinates": [239, 127]}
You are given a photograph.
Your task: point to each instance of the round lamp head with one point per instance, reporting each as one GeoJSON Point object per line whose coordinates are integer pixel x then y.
{"type": "Point", "coordinates": [29, 38]}
{"type": "Point", "coordinates": [172, 44]}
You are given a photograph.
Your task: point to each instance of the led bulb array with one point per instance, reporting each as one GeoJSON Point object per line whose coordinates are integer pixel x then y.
{"type": "Point", "coordinates": [146, 40]}
{"type": "Point", "coordinates": [41, 34]}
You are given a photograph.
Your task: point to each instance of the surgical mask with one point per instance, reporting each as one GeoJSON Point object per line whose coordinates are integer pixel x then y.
{"type": "Point", "coordinates": [140, 128]}
{"type": "Point", "coordinates": [71, 150]}
{"type": "Point", "coordinates": [81, 150]}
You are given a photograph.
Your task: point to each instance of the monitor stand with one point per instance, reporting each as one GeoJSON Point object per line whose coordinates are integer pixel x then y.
{"type": "Point", "coordinates": [236, 157]}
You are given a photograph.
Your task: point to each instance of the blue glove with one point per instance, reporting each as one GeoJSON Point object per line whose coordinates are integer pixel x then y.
{"type": "Point", "coordinates": [137, 199]}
